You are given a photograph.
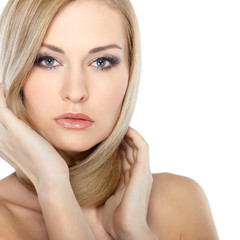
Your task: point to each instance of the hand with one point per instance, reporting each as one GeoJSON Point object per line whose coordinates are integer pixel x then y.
{"type": "Point", "coordinates": [125, 212]}
{"type": "Point", "coordinates": [25, 150]}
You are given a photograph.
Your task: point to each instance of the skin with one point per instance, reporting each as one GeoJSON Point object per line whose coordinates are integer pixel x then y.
{"type": "Point", "coordinates": [144, 206]}
{"type": "Point", "coordinates": [75, 84]}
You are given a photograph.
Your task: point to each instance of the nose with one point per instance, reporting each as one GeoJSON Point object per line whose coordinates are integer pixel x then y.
{"type": "Point", "coordinates": [74, 88]}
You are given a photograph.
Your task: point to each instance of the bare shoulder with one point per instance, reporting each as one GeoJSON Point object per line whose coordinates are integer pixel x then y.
{"type": "Point", "coordinates": [176, 188]}
{"type": "Point", "coordinates": [5, 212]}
{"type": "Point", "coordinates": [9, 226]}
{"type": "Point", "coordinates": [179, 209]}
{"type": "Point", "coordinates": [7, 231]}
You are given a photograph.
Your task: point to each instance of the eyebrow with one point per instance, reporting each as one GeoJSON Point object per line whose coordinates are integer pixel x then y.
{"type": "Point", "coordinates": [53, 48]}
{"type": "Point", "coordinates": [94, 50]}
{"type": "Point", "coordinates": [100, 49]}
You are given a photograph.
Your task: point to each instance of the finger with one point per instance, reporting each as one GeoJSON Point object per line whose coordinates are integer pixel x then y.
{"type": "Point", "coordinates": [121, 183]}
{"type": "Point", "coordinates": [2, 106]}
{"type": "Point", "coordinates": [142, 150]}
{"type": "Point", "coordinates": [136, 149]}
{"type": "Point", "coordinates": [3, 103]}
{"type": "Point", "coordinates": [131, 144]}
{"type": "Point", "coordinates": [139, 177]}
{"type": "Point", "coordinates": [127, 178]}
{"type": "Point", "coordinates": [124, 161]}
{"type": "Point", "coordinates": [136, 138]}
{"type": "Point", "coordinates": [5, 113]}
{"type": "Point", "coordinates": [7, 118]}
{"type": "Point", "coordinates": [129, 152]}
{"type": "Point", "coordinates": [125, 168]}
{"type": "Point", "coordinates": [140, 172]}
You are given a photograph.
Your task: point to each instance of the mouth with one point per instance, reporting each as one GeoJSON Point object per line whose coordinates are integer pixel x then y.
{"type": "Point", "coordinates": [74, 121]}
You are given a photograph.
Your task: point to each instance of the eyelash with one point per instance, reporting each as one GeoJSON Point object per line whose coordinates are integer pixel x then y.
{"type": "Point", "coordinates": [112, 60]}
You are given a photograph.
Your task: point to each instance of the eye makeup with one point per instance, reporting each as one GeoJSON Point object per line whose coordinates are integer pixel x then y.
{"type": "Point", "coordinates": [46, 61]}
{"type": "Point", "coordinates": [103, 63]}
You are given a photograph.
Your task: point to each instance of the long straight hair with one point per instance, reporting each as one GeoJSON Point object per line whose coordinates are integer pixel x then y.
{"type": "Point", "coordinates": [23, 25]}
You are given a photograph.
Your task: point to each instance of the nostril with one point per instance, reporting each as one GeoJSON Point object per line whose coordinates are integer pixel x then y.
{"type": "Point", "coordinates": [75, 88]}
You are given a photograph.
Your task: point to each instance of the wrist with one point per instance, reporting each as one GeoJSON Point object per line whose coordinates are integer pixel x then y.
{"type": "Point", "coordinates": [53, 185]}
{"type": "Point", "coordinates": [60, 208]}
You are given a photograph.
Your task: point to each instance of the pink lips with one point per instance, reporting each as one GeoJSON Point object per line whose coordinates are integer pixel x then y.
{"type": "Point", "coordinates": [74, 120]}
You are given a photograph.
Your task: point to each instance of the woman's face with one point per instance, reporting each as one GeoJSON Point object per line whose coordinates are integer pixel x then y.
{"type": "Point", "coordinates": [82, 68]}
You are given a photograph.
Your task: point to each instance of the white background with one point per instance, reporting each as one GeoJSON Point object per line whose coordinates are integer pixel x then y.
{"type": "Point", "coordinates": [188, 107]}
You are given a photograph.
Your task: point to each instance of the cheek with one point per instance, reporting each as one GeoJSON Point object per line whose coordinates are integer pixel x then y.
{"type": "Point", "coordinates": [112, 96]}
{"type": "Point", "coordinates": [37, 95]}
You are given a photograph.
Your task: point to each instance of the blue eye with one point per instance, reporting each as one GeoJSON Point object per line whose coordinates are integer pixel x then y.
{"type": "Point", "coordinates": [47, 62]}
{"type": "Point", "coordinates": [101, 63]}
{"type": "Point", "coordinates": [105, 63]}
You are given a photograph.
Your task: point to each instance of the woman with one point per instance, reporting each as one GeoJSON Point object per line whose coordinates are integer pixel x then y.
{"type": "Point", "coordinates": [70, 72]}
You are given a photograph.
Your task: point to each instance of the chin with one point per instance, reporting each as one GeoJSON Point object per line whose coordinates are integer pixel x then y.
{"type": "Point", "coordinates": [73, 149]}
{"type": "Point", "coordinates": [76, 143]}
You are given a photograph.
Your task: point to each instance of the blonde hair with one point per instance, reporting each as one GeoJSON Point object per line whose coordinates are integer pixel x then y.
{"type": "Point", "coordinates": [23, 25]}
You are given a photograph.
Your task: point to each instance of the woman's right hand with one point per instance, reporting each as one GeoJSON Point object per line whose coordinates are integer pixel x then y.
{"type": "Point", "coordinates": [33, 156]}
{"type": "Point", "coordinates": [25, 150]}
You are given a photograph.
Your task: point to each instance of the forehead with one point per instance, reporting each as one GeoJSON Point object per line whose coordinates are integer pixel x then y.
{"type": "Point", "coordinates": [87, 23]}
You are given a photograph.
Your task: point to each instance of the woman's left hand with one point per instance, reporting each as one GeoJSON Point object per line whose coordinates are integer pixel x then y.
{"type": "Point", "coordinates": [125, 212]}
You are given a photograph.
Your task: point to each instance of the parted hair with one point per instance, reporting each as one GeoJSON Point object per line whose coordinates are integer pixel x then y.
{"type": "Point", "coordinates": [23, 25]}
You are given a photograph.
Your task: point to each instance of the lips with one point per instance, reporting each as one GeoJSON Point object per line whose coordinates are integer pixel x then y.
{"type": "Point", "coordinates": [74, 120]}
